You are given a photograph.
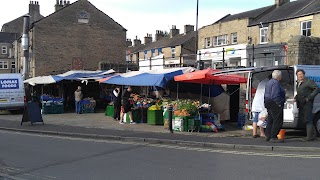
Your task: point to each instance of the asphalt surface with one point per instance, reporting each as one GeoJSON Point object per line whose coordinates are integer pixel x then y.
{"type": "Point", "coordinates": [35, 157]}
{"type": "Point", "coordinates": [290, 142]}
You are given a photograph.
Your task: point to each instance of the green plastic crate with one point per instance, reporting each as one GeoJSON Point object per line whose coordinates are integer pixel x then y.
{"type": "Point", "coordinates": [155, 117]}
{"type": "Point", "coordinates": [135, 116]}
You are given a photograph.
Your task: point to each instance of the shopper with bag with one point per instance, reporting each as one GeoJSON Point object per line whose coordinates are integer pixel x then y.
{"type": "Point", "coordinates": [307, 90]}
{"type": "Point", "coordinates": [258, 107]}
{"type": "Point", "coordinates": [274, 99]}
{"type": "Point", "coordinates": [126, 106]}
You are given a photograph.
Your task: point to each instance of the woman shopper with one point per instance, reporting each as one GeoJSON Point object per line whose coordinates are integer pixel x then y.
{"type": "Point", "coordinates": [126, 106]}
{"type": "Point", "coordinates": [258, 107]}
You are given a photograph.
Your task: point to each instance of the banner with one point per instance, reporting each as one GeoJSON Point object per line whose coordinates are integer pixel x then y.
{"type": "Point", "coordinates": [9, 84]}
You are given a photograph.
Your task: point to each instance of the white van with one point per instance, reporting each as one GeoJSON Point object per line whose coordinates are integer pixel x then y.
{"type": "Point", "coordinates": [12, 92]}
{"type": "Point", "coordinates": [288, 82]}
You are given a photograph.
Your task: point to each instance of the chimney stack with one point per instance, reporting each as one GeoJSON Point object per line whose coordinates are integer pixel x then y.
{"type": "Point", "coordinates": [188, 28]}
{"type": "Point", "coordinates": [159, 35]}
{"type": "Point", "coordinates": [148, 39]}
{"type": "Point", "coordinates": [128, 42]}
{"type": "Point", "coordinates": [34, 10]}
{"type": "Point", "coordinates": [174, 31]}
{"type": "Point", "coordinates": [136, 41]}
{"type": "Point", "coordinates": [61, 4]}
{"type": "Point", "coordinates": [279, 3]}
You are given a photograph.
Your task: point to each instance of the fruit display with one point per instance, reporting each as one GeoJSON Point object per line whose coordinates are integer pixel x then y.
{"type": "Point", "coordinates": [155, 107]}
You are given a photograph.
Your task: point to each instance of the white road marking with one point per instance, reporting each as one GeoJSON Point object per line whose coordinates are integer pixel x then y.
{"type": "Point", "coordinates": [246, 153]}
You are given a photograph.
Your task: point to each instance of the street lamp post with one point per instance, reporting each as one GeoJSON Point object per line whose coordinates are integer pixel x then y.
{"type": "Point", "coordinates": [196, 45]}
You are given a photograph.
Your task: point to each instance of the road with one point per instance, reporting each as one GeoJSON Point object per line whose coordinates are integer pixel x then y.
{"type": "Point", "coordinates": [30, 156]}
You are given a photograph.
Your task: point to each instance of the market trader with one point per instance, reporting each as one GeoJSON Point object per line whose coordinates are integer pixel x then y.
{"type": "Point", "coordinates": [274, 99]}
{"type": "Point", "coordinates": [126, 106]}
{"type": "Point", "coordinates": [307, 90]}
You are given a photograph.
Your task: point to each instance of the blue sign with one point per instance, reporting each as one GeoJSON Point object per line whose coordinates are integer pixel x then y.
{"type": "Point", "coordinates": [9, 84]}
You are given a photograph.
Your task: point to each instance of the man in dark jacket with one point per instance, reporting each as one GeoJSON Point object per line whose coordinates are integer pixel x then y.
{"type": "Point", "coordinates": [116, 96]}
{"type": "Point", "coordinates": [274, 99]}
{"type": "Point", "coordinates": [307, 90]}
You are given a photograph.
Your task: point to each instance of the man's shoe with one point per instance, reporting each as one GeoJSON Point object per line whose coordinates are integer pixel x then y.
{"type": "Point", "coordinates": [121, 122]}
{"type": "Point", "coordinates": [276, 140]}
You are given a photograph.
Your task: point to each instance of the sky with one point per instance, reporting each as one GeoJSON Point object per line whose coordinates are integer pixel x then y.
{"type": "Point", "coordinates": [140, 17]}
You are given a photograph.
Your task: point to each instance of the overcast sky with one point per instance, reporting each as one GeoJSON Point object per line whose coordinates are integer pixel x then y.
{"type": "Point", "coordinates": [140, 17]}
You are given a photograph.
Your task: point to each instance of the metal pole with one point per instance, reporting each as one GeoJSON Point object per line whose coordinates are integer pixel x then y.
{"type": "Point", "coordinates": [150, 64]}
{"type": "Point", "coordinates": [196, 45]}
{"type": "Point", "coordinates": [25, 45]}
{"type": "Point", "coordinates": [170, 118]}
{"type": "Point", "coordinates": [223, 60]}
{"type": "Point", "coordinates": [180, 60]}
{"type": "Point", "coordinates": [252, 55]}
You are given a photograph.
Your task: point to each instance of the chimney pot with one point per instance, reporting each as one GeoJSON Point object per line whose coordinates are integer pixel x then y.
{"type": "Point", "coordinates": [174, 31]}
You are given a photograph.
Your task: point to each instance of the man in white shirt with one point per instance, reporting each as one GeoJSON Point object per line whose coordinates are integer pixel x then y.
{"type": "Point", "coordinates": [258, 107]}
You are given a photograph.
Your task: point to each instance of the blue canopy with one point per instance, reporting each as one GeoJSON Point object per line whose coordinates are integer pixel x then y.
{"type": "Point", "coordinates": [158, 78]}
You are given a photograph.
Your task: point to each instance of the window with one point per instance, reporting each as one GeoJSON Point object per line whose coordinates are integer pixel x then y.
{"type": "Point", "coordinates": [4, 50]}
{"type": "Point", "coordinates": [220, 40]}
{"type": "Point", "coordinates": [13, 65]}
{"type": "Point", "coordinates": [3, 64]}
{"type": "Point", "coordinates": [173, 52]}
{"type": "Point", "coordinates": [207, 42]}
{"type": "Point", "coordinates": [263, 35]}
{"type": "Point", "coordinates": [306, 28]}
{"type": "Point", "coordinates": [234, 38]}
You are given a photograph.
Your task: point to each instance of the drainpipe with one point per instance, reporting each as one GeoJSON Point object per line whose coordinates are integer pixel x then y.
{"type": "Point", "coordinates": [25, 46]}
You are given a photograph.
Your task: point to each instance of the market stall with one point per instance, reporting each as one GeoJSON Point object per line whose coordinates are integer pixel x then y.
{"type": "Point", "coordinates": [56, 92]}
{"type": "Point", "coordinates": [153, 78]}
{"type": "Point", "coordinates": [210, 117]}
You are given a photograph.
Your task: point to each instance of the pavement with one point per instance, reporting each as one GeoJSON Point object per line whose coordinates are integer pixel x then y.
{"type": "Point", "coordinates": [99, 126]}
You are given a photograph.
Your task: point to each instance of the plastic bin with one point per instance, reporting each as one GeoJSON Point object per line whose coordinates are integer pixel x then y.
{"type": "Point", "coordinates": [155, 117]}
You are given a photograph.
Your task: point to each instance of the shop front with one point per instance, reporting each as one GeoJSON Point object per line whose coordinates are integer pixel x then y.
{"type": "Point", "coordinates": [267, 55]}
{"type": "Point", "coordinates": [232, 56]}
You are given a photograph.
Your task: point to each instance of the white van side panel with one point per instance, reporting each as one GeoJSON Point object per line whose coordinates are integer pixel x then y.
{"type": "Point", "coordinates": [11, 91]}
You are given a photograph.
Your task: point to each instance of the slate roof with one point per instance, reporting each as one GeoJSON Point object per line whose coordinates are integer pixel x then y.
{"type": "Point", "coordinates": [69, 6]}
{"type": "Point", "coordinates": [8, 37]}
{"type": "Point", "coordinates": [290, 10]}
{"type": "Point", "coordinates": [248, 14]}
{"type": "Point", "coordinates": [164, 42]}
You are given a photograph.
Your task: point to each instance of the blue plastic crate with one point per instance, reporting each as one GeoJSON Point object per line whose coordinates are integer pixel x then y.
{"type": "Point", "coordinates": [241, 120]}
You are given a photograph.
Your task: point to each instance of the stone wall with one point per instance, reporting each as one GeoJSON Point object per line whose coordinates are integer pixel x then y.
{"type": "Point", "coordinates": [303, 50]}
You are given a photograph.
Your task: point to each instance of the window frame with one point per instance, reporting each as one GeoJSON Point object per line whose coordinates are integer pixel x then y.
{"type": "Point", "coordinates": [207, 42]}
{"type": "Point", "coordinates": [3, 64]}
{"type": "Point", "coordinates": [13, 63]}
{"type": "Point", "coordinates": [265, 35]}
{"type": "Point", "coordinates": [233, 36]}
{"type": "Point", "coordinates": [218, 38]}
{"type": "Point", "coordinates": [4, 48]}
{"type": "Point", "coordinates": [306, 29]}
{"type": "Point", "coordinates": [173, 52]}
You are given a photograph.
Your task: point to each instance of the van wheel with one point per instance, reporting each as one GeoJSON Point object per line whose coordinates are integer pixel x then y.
{"type": "Point", "coordinates": [317, 123]}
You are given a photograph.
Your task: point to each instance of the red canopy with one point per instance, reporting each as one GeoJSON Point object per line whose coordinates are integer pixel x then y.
{"type": "Point", "coordinates": [206, 77]}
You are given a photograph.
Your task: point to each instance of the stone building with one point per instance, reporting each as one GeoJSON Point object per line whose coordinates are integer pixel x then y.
{"type": "Point", "coordinates": [76, 36]}
{"type": "Point", "coordinates": [271, 33]}
{"type": "Point", "coordinates": [173, 49]}
{"type": "Point", "coordinates": [7, 54]}
{"type": "Point", "coordinates": [227, 37]}
{"type": "Point", "coordinates": [259, 37]}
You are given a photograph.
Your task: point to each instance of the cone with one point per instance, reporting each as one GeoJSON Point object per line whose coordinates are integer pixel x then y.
{"type": "Point", "coordinates": [282, 134]}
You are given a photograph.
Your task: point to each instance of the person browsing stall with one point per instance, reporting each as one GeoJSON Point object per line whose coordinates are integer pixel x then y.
{"type": "Point", "coordinates": [116, 96]}
{"type": "Point", "coordinates": [274, 99]}
{"type": "Point", "coordinates": [78, 98]}
{"type": "Point", "coordinates": [126, 105]}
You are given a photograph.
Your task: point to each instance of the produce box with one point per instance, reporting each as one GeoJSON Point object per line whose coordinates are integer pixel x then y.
{"type": "Point", "coordinates": [109, 111]}
{"type": "Point", "coordinates": [155, 117]}
{"type": "Point", "coordinates": [194, 124]}
{"type": "Point", "coordinates": [180, 123]}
